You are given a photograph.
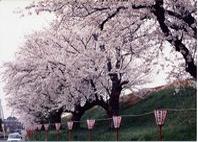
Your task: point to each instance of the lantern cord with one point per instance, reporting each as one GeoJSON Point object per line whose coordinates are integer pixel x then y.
{"type": "Point", "coordinates": [168, 109]}
{"type": "Point", "coordinates": [136, 115]}
{"type": "Point", "coordinates": [151, 112]}
{"type": "Point", "coordinates": [174, 109]}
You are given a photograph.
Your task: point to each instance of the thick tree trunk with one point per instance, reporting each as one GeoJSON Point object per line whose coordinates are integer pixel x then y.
{"type": "Point", "coordinates": [55, 117]}
{"type": "Point", "coordinates": [76, 117]}
{"type": "Point", "coordinates": [115, 95]}
{"type": "Point", "coordinates": [114, 106]}
{"type": "Point", "coordinates": [80, 110]}
{"type": "Point", "coordinates": [114, 103]}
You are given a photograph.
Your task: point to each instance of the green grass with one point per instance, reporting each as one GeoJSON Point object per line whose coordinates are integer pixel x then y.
{"type": "Point", "coordinates": [179, 126]}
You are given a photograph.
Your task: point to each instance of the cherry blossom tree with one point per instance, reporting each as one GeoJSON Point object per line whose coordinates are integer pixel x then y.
{"type": "Point", "coordinates": [37, 77]}
{"type": "Point", "coordinates": [107, 64]}
{"type": "Point", "coordinates": [96, 49]}
{"type": "Point", "coordinates": [61, 73]}
{"type": "Point", "coordinates": [174, 21]}
{"type": "Point", "coordinates": [129, 27]}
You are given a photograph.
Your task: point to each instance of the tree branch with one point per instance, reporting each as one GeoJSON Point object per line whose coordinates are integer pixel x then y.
{"type": "Point", "coordinates": [101, 26]}
{"type": "Point", "coordinates": [189, 19]}
{"type": "Point", "coordinates": [159, 12]}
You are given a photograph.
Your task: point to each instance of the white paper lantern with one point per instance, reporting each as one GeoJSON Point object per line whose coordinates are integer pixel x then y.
{"type": "Point", "coordinates": [117, 121]}
{"type": "Point", "coordinates": [57, 125]}
{"type": "Point", "coordinates": [90, 124]}
{"type": "Point", "coordinates": [39, 126]}
{"type": "Point", "coordinates": [46, 126]}
{"type": "Point", "coordinates": [70, 125]}
{"type": "Point", "coordinates": [160, 116]}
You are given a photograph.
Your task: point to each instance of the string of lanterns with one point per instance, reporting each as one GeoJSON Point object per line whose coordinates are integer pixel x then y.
{"type": "Point", "coordinates": [160, 117]}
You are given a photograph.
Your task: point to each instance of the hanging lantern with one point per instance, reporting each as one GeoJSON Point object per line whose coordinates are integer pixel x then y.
{"type": "Point", "coordinates": [46, 126]}
{"type": "Point", "coordinates": [34, 127]}
{"type": "Point", "coordinates": [70, 125]}
{"type": "Point", "coordinates": [39, 126]}
{"type": "Point", "coordinates": [160, 116]}
{"type": "Point", "coordinates": [57, 125]}
{"type": "Point", "coordinates": [90, 124]}
{"type": "Point", "coordinates": [117, 121]}
{"type": "Point", "coordinates": [2, 125]}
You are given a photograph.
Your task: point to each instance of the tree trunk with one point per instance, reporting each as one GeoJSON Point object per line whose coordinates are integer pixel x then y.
{"type": "Point", "coordinates": [115, 95]}
{"type": "Point", "coordinates": [80, 110]}
{"type": "Point", "coordinates": [114, 104]}
{"type": "Point", "coordinates": [55, 117]}
{"type": "Point", "coordinates": [76, 117]}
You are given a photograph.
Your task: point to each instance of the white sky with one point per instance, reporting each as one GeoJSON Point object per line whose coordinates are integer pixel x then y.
{"type": "Point", "coordinates": [12, 31]}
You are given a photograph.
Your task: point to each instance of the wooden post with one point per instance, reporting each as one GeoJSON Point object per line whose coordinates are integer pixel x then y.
{"type": "Point", "coordinates": [117, 134]}
{"type": "Point", "coordinates": [90, 135]}
{"type": "Point", "coordinates": [70, 126]}
{"type": "Point", "coordinates": [160, 129]}
{"type": "Point", "coordinates": [57, 135]}
{"type": "Point", "coordinates": [46, 135]}
{"type": "Point", "coordinates": [70, 135]}
{"type": "Point", "coordinates": [36, 135]}
{"type": "Point", "coordinates": [39, 134]}
{"type": "Point", "coordinates": [46, 126]}
{"type": "Point", "coordinates": [32, 134]}
{"type": "Point", "coordinates": [39, 126]}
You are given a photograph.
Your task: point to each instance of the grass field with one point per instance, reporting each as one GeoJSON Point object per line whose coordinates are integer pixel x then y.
{"type": "Point", "coordinates": [179, 125]}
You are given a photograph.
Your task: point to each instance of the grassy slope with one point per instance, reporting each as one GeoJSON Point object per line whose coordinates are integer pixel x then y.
{"type": "Point", "coordinates": [178, 125]}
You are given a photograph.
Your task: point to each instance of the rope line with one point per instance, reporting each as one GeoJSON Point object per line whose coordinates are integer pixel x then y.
{"type": "Point", "coordinates": [188, 109]}
{"type": "Point", "coordinates": [136, 115]}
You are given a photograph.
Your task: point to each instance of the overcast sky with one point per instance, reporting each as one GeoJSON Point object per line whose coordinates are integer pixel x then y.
{"type": "Point", "coordinates": [12, 31]}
